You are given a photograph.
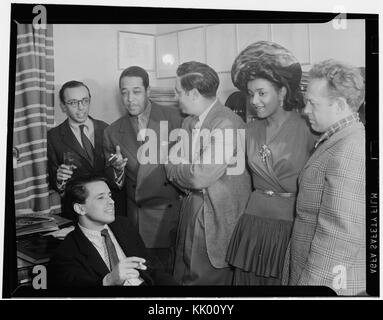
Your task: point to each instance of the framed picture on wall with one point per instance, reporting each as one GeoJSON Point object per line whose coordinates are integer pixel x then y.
{"type": "Point", "coordinates": [136, 49]}
{"type": "Point", "coordinates": [167, 55]}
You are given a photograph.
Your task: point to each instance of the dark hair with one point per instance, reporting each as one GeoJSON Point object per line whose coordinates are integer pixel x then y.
{"type": "Point", "coordinates": [279, 79]}
{"type": "Point", "coordinates": [76, 192]}
{"type": "Point", "coordinates": [135, 71]}
{"type": "Point", "coordinates": [200, 76]}
{"type": "Point", "coordinates": [343, 81]}
{"type": "Point", "coordinates": [69, 85]}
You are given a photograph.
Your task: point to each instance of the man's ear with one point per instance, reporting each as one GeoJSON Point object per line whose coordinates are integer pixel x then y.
{"type": "Point", "coordinates": [148, 90]}
{"type": "Point", "coordinates": [194, 93]}
{"type": "Point", "coordinates": [63, 107]}
{"type": "Point", "coordinates": [341, 105]}
{"type": "Point", "coordinates": [79, 209]}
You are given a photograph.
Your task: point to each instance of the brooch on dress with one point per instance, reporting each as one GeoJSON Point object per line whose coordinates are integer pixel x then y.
{"type": "Point", "coordinates": [264, 152]}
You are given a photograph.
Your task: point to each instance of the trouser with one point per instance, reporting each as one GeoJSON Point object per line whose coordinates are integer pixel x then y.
{"type": "Point", "coordinates": [192, 264]}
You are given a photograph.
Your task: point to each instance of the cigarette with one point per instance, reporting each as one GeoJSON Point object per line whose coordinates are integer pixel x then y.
{"type": "Point", "coordinates": [112, 156]}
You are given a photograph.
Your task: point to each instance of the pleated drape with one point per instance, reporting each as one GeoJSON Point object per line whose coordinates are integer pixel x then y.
{"type": "Point", "coordinates": [33, 116]}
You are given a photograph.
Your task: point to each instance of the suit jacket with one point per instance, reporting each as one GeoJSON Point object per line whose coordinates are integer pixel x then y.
{"type": "Point", "coordinates": [77, 263]}
{"type": "Point", "coordinates": [61, 139]}
{"type": "Point", "coordinates": [152, 202]}
{"type": "Point", "coordinates": [328, 238]}
{"type": "Point", "coordinates": [225, 195]}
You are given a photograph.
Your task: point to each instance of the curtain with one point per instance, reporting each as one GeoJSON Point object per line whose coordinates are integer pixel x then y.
{"type": "Point", "coordinates": [33, 116]}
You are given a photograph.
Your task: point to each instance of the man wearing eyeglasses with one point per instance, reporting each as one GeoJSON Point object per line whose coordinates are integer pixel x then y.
{"type": "Point", "coordinates": [75, 146]}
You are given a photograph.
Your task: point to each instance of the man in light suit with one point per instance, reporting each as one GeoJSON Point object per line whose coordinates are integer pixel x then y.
{"type": "Point", "coordinates": [103, 249]}
{"type": "Point", "coordinates": [152, 202]}
{"type": "Point", "coordinates": [328, 238]}
{"type": "Point", "coordinates": [215, 198]}
{"type": "Point", "coordinates": [79, 134]}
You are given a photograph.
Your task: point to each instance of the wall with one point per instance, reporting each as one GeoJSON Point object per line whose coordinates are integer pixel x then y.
{"type": "Point", "coordinates": [310, 43]}
{"type": "Point", "coordinates": [88, 53]}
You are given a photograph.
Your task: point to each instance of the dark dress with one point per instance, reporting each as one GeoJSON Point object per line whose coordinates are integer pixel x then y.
{"type": "Point", "coordinates": [259, 241]}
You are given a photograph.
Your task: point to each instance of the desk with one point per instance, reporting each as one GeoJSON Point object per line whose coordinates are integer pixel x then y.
{"type": "Point", "coordinates": [33, 250]}
{"type": "Point", "coordinates": [36, 249]}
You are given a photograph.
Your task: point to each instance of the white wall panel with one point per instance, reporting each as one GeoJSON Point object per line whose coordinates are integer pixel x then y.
{"type": "Point", "coordinates": [221, 46]}
{"type": "Point", "coordinates": [250, 33]}
{"type": "Point", "coordinates": [347, 44]}
{"type": "Point", "coordinates": [294, 37]}
{"type": "Point", "coordinates": [192, 45]}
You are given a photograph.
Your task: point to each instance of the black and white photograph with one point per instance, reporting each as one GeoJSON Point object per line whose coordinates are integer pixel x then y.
{"type": "Point", "coordinates": [191, 152]}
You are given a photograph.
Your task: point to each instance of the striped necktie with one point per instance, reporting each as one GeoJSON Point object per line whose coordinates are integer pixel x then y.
{"type": "Point", "coordinates": [87, 144]}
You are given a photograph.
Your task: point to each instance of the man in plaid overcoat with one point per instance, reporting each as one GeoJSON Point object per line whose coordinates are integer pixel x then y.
{"type": "Point", "coordinates": [328, 239]}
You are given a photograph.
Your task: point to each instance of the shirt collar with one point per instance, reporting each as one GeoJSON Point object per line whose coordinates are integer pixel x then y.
{"type": "Point", "coordinates": [146, 113]}
{"type": "Point", "coordinates": [76, 126]}
{"type": "Point", "coordinates": [337, 126]}
{"type": "Point", "coordinates": [203, 115]}
{"type": "Point", "coordinates": [92, 233]}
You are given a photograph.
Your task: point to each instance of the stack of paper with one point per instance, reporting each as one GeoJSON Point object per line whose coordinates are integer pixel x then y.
{"type": "Point", "coordinates": [34, 223]}
{"type": "Point", "coordinates": [60, 234]}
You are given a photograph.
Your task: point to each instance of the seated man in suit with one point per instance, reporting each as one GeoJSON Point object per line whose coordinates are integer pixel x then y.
{"type": "Point", "coordinates": [79, 135]}
{"type": "Point", "coordinates": [104, 249]}
{"type": "Point", "coordinates": [152, 202]}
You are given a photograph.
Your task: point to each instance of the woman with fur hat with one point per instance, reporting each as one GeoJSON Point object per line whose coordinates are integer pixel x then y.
{"type": "Point", "coordinates": [278, 144]}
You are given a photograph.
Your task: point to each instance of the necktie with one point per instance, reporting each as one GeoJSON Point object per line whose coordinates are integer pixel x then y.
{"type": "Point", "coordinates": [194, 123]}
{"type": "Point", "coordinates": [112, 253]}
{"type": "Point", "coordinates": [87, 144]}
{"type": "Point", "coordinates": [141, 126]}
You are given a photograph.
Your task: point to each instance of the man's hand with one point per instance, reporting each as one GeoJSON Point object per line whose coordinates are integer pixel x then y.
{"type": "Point", "coordinates": [117, 161]}
{"type": "Point", "coordinates": [126, 269]}
{"type": "Point", "coordinates": [64, 172]}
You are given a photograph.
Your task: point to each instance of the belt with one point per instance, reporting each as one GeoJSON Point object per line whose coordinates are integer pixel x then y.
{"type": "Point", "coordinates": [271, 193]}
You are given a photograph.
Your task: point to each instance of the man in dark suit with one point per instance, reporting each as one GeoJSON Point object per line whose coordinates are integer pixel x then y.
{"type": "Point", "coordinates": [214, 178]}
{"type": "Point", "coordinates": [152, 202]}
{"type": "Point", "coordinates": [79, 135]}
{"type": "Point", "coordinates": [104, 249]}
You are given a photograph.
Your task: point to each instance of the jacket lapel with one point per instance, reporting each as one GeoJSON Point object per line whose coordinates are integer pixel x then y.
{"type": "Point", "coordinates": [128, 138]}
{"type": "Point", "coordinates": [211, 115]}
{"type": "Point", "coordinates": [324, 146]}
{"type": "Point", "coordinates": [91, 254]}
{"type": "Point", "coordinates": [98, 138]}
{"type": "Point", "coordinates": [156, 115]}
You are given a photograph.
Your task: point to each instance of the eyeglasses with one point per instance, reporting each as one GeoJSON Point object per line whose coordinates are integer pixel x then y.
{"type": "Point", "coordinates": [75, 103]}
